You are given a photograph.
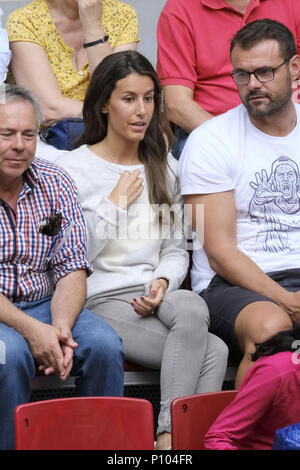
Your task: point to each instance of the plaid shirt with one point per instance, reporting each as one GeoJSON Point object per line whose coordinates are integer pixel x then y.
{"type": "Point", "coordinates": [31, 263]}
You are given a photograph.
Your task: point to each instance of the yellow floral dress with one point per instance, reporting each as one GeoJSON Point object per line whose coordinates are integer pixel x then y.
{"type": "Point", "coordinates": [33, 23]}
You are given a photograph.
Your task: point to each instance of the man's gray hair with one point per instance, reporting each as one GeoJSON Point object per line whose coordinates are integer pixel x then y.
{"type": "Point", "coordinates": [9, 93]}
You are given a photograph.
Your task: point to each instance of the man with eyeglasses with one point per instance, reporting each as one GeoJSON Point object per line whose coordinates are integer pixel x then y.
{"type": "Point", "coordinates": [242, 166]}
{"type": "Point", "coordinates": [43, 270]}
{"type": "Point", "coordinates": [193, 39]}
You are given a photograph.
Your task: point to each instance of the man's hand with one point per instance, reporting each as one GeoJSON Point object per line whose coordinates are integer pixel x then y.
{"type": "Point", "coordinates": [146, 304]}
{"type": "Point", "coordinates": [292, 306]}
{"type": "Point", "coordinates": [52, 348]}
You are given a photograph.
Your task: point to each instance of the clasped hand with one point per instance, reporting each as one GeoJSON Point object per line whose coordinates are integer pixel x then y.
{"type": "Point", "coordinates": [53, 347]}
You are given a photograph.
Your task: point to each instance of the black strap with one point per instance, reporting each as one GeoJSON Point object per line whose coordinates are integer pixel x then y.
{"type": "Point", "coordinates": [94, 43]}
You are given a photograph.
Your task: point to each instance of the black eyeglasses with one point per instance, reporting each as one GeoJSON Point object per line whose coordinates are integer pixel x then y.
{"type": "Point", "coordinates": [51, 225]}
{"type": "Point", "coordinates": [263, 74]}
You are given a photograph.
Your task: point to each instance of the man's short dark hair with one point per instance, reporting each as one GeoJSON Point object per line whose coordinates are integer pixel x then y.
{"type": "Point", "coordinates": [262, 30]}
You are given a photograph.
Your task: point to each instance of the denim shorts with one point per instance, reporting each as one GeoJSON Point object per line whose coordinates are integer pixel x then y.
{"type": "Point", "coordinates": [225, 301]}
{"type": "Point", "coordinates": [180, 139]}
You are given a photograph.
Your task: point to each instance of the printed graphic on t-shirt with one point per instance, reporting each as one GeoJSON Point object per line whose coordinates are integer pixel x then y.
{"type": "Point", "coordinates": [275, 205]}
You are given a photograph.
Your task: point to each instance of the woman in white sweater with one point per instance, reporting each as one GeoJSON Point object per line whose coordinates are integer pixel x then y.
{"type": "Point", "coordinates": [127, 184]}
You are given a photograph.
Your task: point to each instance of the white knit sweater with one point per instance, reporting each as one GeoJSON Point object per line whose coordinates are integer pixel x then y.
{"type": "Point", "coordinates": [123, 246]}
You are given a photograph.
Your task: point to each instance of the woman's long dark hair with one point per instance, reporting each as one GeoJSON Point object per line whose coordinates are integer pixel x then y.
{"type": "Point", "coordinates": [153, 148]}
{"type": "Point", "coordinates": [282, 341]}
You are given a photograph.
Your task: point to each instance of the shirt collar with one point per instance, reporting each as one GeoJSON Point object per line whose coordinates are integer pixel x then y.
{"type": "Point", "coordinates": [32, 175]}
{"type": "Point", "coordinates": [220, 4]}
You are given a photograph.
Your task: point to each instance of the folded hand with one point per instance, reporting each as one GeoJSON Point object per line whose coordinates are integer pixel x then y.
{"type": "Point", "coordinates": [146, 304]}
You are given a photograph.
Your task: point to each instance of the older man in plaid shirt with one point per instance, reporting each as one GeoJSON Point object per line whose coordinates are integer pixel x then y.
{"type": "Point", "coordinates": [43, 269]}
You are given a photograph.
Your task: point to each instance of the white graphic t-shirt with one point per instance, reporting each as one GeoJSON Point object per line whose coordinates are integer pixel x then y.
{"type": "Point", "coordinates": [230, 153]}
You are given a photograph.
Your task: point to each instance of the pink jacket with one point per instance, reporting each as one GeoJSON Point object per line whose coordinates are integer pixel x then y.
{"type": "Point", "coordinates": [268, 399]}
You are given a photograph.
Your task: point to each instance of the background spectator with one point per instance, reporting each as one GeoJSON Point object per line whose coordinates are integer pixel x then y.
{"type": "Point", "coordinates": [193, 39]}
{"type": "Point", "coordinates": [267, 400]}
{"type": "Point", "coordinates": [47, 40]}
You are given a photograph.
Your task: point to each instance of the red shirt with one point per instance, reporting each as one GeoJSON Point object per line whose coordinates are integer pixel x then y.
{"type": "Point", "coordinates": [193, 39]}
{"type": "Point", "coordinates": [268, 399]}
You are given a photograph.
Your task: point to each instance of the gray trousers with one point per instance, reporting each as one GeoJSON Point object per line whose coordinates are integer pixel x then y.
{"type": "Point", "coordinates": [174, 339]}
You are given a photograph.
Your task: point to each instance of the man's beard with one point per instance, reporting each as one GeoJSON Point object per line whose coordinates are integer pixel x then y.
{"type": "Point", "coordinates": [267, 109]}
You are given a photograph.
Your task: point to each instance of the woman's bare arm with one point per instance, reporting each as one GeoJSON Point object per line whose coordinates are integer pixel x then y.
{"type": "Point", "coordinates": [32, 70]}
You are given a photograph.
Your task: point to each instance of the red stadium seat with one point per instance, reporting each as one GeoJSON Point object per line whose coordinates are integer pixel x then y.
{"type": "Point", "coordinates": [193, 415]}
{"type": "Point", "coordinates": [85, 423]}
